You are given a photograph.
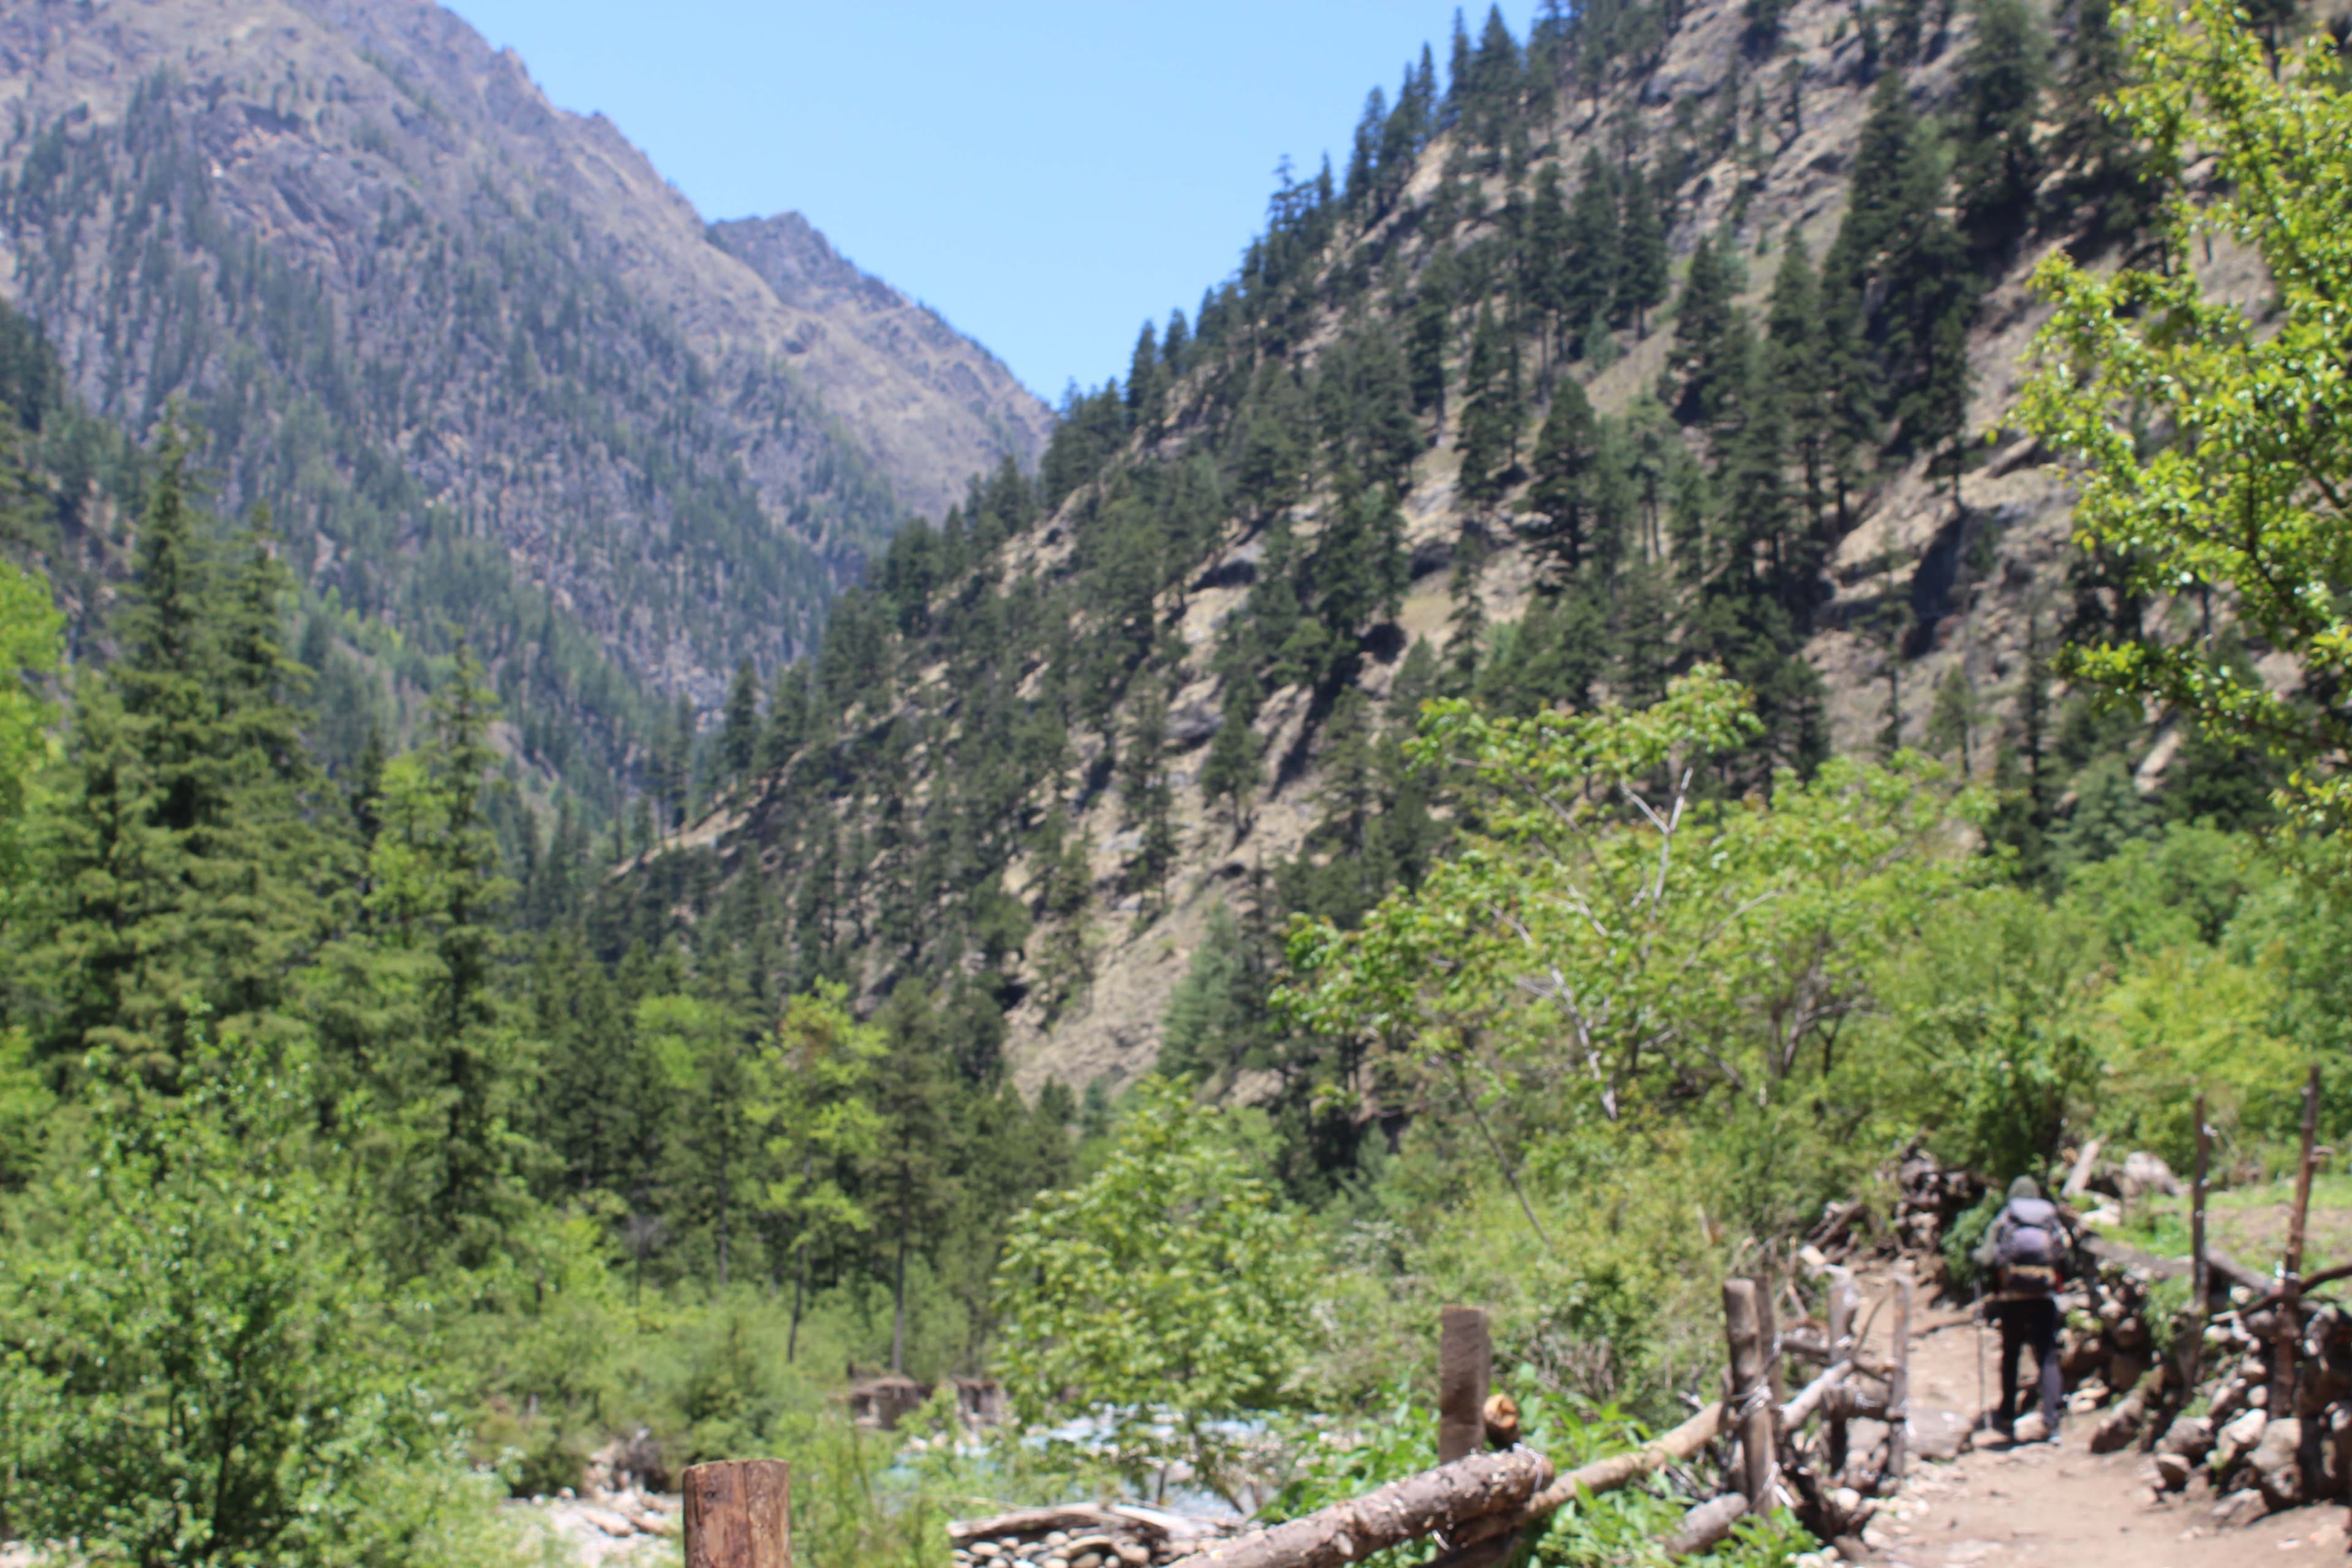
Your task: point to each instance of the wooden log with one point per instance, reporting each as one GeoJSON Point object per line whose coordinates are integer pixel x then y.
{"type": "Point", "coordinates": [1847, 1403]}
{"type": "Point", "coordinates": [1605, 1475]}
{"type": "Point", "coordinates": [1706, 1526]}
{"type": "Point", "coordinates": [1898, 1385]}
{"type": "Point", "coordinates": [1754, 1418]}
{"type": "Point", "coordinates": [2289, 1339]}
{"type": "Point", "coordinates": [739, 1514]}
{"type": "Point", "coordinates": [1071, 1517]}
{"type": "Point", "coordinates": [1465, 1359]}
{"type": "Point", "coordinates": [1800, 1410]}
{"type": "Point", "coordinates": [2079, 1178]}
{"type": "Point", "coordinates": [1482, 1487]}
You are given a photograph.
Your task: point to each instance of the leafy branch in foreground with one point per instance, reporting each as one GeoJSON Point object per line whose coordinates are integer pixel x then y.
{"type": "Point", "coordinates": [2213, 435]}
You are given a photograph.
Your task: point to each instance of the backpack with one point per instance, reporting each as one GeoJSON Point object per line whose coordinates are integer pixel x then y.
{"type": "Point", "coordinates": [2029, 1253]}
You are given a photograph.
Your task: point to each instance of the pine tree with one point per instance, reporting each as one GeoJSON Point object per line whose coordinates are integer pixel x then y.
{"type": "Point", "coordinates": [1491, 412]}
{"type": "Point", "coordinates": [1147, 800]}
{"type": "Point", "coordinates": [1432, 330]}
{"type": "Point", "coordinates": [1466, 623]}
{"type": "Point", "coordinates": [1562, 495]}
{"type": "Point", "coordinates": [191, 861]}
{"type": "Point", "coordinates": [1644, 273]}
{"type": "Point", "coordinates": [739, 736]}
{"type": "Point", "coordinates": [1795, 364]}
{"type": "Point", "coordinates": [1147, 380]}
{"type": "Point", "coordinates": [1595, 262]}
{"type": "Point", "coordinates": [1230, 773]}
{"type": "Point", "coordinates": [440, 893]}
{"type": "Point", "coordinates": [1999, 160]}
{"type": "Point", "coordinates": [1706, 355]}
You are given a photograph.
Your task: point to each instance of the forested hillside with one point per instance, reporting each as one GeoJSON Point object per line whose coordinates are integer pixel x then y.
{"type": "Point", "coordinates": [1628, 674]}
{"type": "Point", "coordinates": [486, 368]}
{"type": "Point", "coordinates": [1671, 333]}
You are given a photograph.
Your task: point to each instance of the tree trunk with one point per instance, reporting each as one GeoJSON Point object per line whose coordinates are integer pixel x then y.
{"type": "Point", "coordinates": [899, 1310]}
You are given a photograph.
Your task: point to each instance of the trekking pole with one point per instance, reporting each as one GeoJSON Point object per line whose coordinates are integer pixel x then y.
{"type": "Point", "coordinates": [1977, 1314]}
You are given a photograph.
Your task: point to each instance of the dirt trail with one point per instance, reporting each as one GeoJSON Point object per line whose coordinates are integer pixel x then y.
{"type": "Point", "coordinates": [2057, 1503]}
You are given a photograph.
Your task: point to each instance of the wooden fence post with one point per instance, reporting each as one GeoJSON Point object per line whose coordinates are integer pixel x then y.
{"type": "Point", "coordinates": [1752, 1411]}
{"type": "Point", "coordinates": [2200, 1278]}
{"type": "Point", "coordinates": [1843, 1298]}
{"type": "Point", "coordinates": [2289, 1339]}
{"type": "Point", "coordinates": [1767, 1323]}
{"type": "Point", "coordinates": [1898, 1380]}
{"type": "Point", "coordinates": [1466, 1366]}
{"type": "Point", "coordinates": [739, 1514]}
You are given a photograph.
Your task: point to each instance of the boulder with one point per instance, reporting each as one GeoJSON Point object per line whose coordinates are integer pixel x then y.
{"type": "Point", "coordinates": [2146, 1173]}
{"type": "Point", "coordinates": [1935, 1433]}
{"type": "Point", "coordinates": [2277, 1463]}
{"type": "Point", "coordinates": [2238, 1436]}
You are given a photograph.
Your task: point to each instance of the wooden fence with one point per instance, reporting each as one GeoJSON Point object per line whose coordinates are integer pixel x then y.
{"type": "Point", "coordinates": [1488, 1487]}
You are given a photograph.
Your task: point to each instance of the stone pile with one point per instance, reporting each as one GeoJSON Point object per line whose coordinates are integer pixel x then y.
{"type": "Point", "coordinates": [1081, 1535]}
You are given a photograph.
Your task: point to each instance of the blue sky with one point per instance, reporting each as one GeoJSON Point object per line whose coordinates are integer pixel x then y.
{"type": "Point", "coordinates": [1044, 173]}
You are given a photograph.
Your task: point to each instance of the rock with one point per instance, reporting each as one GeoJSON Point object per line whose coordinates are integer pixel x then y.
{"type": "Point", "coordinates": [1192, 723]}
{"type": "Point", "coordinates": [2277, 1462]}
{"type": "Point", "coordinates": [2192, 1438]}
{"type": "Point", "coordinates": [2032, 1428]}
{"type": "Point", "coordinates": [1132, 1555]}
{"type": "Point", "coordinates": [984, 1550]}
{"type": "Point", "coordinates": [2145, 1173]}
{"type": "Point", "coordinates": [2125, 1371]}
{"type": "Point", "coordinates": [611, 1522]}
{"type": "Point", "coordinates": [2172, 1472]}
{"type": "Point", "coordinates": [2239, 1507]}
{"type": "Point", "coordinates": [2238, 1436]}
{"type": "Point", "coordinates": [1935, 1434]}
{"type": "Point", "coordinates": [2085, 1399]}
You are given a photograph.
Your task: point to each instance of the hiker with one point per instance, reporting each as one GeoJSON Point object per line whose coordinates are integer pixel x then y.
{"type": "Point", "coordinates": [2025, 1252]}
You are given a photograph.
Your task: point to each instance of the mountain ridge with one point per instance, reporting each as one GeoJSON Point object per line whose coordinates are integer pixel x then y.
{"type": "Point", "coordinates": [392, 280]}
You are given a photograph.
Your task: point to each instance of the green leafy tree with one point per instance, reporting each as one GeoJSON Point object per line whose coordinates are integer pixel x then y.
{"type": "Point", "coordinates": [198, 1362]}
{"type": "Point", "coordinates": [1611, 938]}
{"type": "Point", "coordinates": [812, 1100]}
{"type": "Point", "coordinates": [1165, 1289]}
{"type": "Point", "coordinates": [2245, 495]}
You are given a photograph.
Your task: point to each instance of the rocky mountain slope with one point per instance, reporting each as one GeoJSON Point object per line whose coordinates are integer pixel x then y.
{"type": "Point", "coordinates": [1021, 764]}
{"type": "Point", "coordinates": [485, 364]}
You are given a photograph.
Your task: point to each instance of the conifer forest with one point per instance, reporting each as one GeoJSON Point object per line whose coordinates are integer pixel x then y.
{"type": "Point", "coordinates": [1742, 595]}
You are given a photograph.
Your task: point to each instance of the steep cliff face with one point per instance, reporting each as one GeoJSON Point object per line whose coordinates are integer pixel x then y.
{"type": "Point", "coordinates": [469, 346]}
{"type": "Point", "coordinates": [1031, 712]}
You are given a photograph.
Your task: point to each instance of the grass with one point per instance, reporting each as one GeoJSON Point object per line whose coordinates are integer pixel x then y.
{"type": "Point", "coordinates": [2249, 1222]}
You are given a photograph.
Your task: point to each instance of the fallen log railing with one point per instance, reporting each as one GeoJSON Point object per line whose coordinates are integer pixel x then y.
{"type": "Point", "coordinates": [1488, 1487]}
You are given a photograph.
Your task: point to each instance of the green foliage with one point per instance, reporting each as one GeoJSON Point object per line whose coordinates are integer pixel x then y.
{"type": "Point", "coordinates": [1165, 1289]}
{"type": "Point", "coordinates": [29, 645]}
{"type": "Point", "coordinates": [2237, 497]}
{"type": "Point", "coordinates": [197, 1355]}
{"type": "Point", "coordinates": [1613, 937]}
